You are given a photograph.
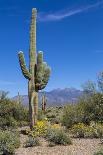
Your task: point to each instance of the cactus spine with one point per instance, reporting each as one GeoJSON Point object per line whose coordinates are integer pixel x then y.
{"type": "Point", "coordinates": [44, 102]}
{"type": "Point", "coordinates": [38, 73]}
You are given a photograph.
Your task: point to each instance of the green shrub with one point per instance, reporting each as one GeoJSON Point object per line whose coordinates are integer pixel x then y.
{"type": "Point", "coordinates": [32, 142]}
{"type": "Point", "coordinates": [20, 113]}
{"type": "Point", "coordinates": [23, 123]}
{"type": "Point", "coordinates": [99, 128]}
{"type": "Point", "coordinates": [41, 115]}
{"type": "Point", "coordinates": [81, 130]}
{"type": "Point", "coordinates": [12, 114]}
{"type": "Point", "coordinates": [89, 108]}
{"type": "Point", "coordinates": [71, 114]}
{"type": "Point", "coordinates": [58, 136]}
{"type": "Point", "coordinates": [7, 122]}
{"type": "Point", "coordinates": [51, 144]}
{"type": "Point", "coordinates": [8, 142]}
{"type": "Point", "coordinates": [98, 152]}
{"type": "Point", "coordinates": [54, 114]}
{"type": "Point", "coordinates": [92, 108]}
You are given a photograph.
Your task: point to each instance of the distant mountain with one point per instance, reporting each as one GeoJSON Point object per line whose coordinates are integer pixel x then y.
{"type": "Point", "coordinates": [56, 97]}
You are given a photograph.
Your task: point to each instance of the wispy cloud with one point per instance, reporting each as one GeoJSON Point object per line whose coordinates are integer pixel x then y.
{"type": "Point", "coordinates": [60, 15]}
{"type": "Point", "coordinates": [6, 82]}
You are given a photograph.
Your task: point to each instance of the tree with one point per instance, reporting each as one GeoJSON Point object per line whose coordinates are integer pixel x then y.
{"type": "Point", "coordinates": [100, 81]}
{"type": "Point", "coordinates": [3, 94]}
{"type": "Point", "coordinates": [89, 87]}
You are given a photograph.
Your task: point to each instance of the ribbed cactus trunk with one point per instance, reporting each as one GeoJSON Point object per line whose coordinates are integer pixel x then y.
{"type": "Point", "coordinates": [32, 92]}
{"type": "Point", "coordinates": [38, 74]}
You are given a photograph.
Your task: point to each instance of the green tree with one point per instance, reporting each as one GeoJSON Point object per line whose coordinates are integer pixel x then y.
{"type": "Point", "coordinates": [89, 87]}
{"type": "Point", "coordinates": [100, 81]}
{"type": "Point", "coordinates": [3, 94]}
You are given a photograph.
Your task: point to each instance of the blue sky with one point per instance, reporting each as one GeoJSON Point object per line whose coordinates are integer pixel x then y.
{"type": "Point", "coordinates": [69, 32]}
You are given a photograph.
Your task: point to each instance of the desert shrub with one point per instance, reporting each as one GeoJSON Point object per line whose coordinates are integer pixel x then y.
{"type": "Point", "coordinates": [39, 130]}
{"type": "Point", "coordinates": [56, 126]}
{"type": "Point", "coordinates": [69, 116]}
{"type": "Point", "coordinates": [20, 113]}
{"type": "Point", "coordinates": [23, 123]}
{"type": "Point", "coordinates": [51, 144]}
{"type": "Point", "coordinates": [92, 108]}
{"type": "Point", "coordinates": [81, 130]}
{"type": "Point", "coordinates": [58, 136]}
{"type": "Point", "coordinates": [8, 121]}
{"type": "Point", "coordinates": [54, 114]}
{"type": "Point", "coordinates": [99, 128]}
{"type": "Point", "coordinates": [88, 108]}
{"type": "Point", "coordinates": [8, 142]}
{"type": "Point", "coordinates": [12, 113]}
{"type": "Point", "coordinates": [32, 142]}
{"type": "Point", "coordinates": [98, 152]}
{"type": "Point", "coordinates": [41, 115]}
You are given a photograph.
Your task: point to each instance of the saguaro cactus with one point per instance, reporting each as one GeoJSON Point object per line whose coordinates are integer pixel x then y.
{"type": "Point", "coordinates": [44, 102]}
{"type": "Point", "coordinates": [38, 73]}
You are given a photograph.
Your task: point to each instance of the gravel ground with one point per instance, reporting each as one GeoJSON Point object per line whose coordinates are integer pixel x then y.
{"type": "Point", "coordinates": [79, 147]}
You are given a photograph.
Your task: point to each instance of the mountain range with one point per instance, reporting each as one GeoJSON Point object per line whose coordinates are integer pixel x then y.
{"type": "Point", "coordinates": [56, 97]}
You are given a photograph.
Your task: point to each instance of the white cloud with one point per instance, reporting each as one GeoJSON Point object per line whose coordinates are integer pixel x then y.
{"type": "Point", "coordinates": [60, 15]}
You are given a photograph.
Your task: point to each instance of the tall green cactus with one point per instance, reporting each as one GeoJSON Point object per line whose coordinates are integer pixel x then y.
{"type": "Point", "coordinates": [38, 73]}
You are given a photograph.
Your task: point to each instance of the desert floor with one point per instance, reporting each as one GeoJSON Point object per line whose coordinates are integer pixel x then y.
{"type": "Point", "coordinates": [79, 147]}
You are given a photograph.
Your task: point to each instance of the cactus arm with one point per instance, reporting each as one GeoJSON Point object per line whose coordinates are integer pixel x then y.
{"type": "Point", "coordinates": [39, 71]}
{"type": "Point", "coordinates": [25, 72]}
{"type": "Point", "coordinates": [45, 78]}
{"type": "Point", "coordinates": [46, 75]}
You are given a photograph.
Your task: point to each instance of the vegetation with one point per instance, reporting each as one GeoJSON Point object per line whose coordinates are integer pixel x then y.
{"type": "Point", "coordinates": [58, 136]}
{"type": "Point", "coordinates": [98, 152]}
{"type": "Point", "coordinates": [81, 120]}
{"type": "Point", "coordinates": [81, 130]}
{"type": "Point", "coordinates": [32, 142]}
{"type": "Point", "coordinates": [86, 110]}
{"type": "Point", "coordinates": [8, 142]}
{"type": "Point", "coordinates": [12, 114]}
{"type": "Point", "coordinates": [39, 130]}
{"type": "Point", "coordinates": [38, 74]}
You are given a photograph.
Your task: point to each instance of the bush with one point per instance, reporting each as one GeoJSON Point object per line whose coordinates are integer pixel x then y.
{"type": "Point", "coordinates": [8, 142]}
{"type": "Point", "coordinates": [99, 153]}
{"type": "Point", "coordinates": [72, 114]}
{"type": "Point", "coordinates": [81, 130]}
{"type": "Point", "coordinates": [20, 113]}
{"type": "Point", "coordinates": [58, 136]}
{"type": "Point", "coordinates": [89, 108]}
{"type": "Point", "coordinates": [99, 127]}
{"type": "Point", "coordinates": [32, 142]}
{"type": "Point", "coordinates": [92, 108]}
{"type": "Point", "coordinates": [41, 115]}
{"type": "Point", "coordinates": [12, 114]}
{"type": "Point", "coordinates": [39, 129]}
{"type": "Point", "coordinates": [8, 121]}
{"type": "Point", "coordinates": [51, 144]}
{"type": "Point", "coordinates": [54, 114]}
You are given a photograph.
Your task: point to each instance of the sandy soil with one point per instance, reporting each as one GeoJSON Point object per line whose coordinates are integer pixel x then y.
{"type": "Point", "coordinates": [79, 147]}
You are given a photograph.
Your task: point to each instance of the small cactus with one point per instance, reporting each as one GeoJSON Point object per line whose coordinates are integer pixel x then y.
{"type": "Point", "coordinates": [38, 73]}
